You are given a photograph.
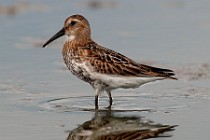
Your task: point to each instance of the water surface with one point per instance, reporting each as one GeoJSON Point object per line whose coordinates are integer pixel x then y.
{"type": "Point", "coordinates": [40, 99]}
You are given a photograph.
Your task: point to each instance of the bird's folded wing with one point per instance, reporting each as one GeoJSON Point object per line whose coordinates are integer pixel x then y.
{"type": "Point", "coordinates": [106, 61]}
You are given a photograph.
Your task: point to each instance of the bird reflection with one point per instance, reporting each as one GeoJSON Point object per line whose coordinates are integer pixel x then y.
{"type": "Point", "coordinates": [107, 126]}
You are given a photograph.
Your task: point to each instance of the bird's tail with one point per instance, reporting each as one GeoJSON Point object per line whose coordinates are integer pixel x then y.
{"type": "Point", "coordinates": [159, 72]}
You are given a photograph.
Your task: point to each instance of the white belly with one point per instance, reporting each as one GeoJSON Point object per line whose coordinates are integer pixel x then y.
{"type": "Point", "coordinates": [114, 81]}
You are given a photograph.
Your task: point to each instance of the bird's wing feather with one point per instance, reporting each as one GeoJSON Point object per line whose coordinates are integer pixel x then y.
{"type": "Point", "coordinates": [107, 61]}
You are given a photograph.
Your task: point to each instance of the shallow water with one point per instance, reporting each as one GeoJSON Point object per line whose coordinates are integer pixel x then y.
{"type": "Point", "coordinates": [40, 99]}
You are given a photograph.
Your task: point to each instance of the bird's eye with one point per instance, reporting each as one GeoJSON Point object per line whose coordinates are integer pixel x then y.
{"type": "Point", "coordinates": [72, 23]}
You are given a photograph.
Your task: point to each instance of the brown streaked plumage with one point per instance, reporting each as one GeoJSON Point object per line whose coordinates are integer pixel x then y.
{"type": "Point", "coordinates": [102, 68]}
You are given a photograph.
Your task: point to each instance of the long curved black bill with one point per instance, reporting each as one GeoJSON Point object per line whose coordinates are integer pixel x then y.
{"type": "Point", "coordinates": [57, 35]}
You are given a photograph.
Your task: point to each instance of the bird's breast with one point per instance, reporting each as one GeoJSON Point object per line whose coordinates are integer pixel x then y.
{"type": "Point", "coordinates": [76, 65]}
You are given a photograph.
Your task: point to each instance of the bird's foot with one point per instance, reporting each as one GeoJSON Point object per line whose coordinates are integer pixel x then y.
{"type": "Point", "coordinates": [109, 107]}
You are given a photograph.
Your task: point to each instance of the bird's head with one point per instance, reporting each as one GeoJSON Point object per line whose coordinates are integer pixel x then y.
{"type": "Point", "coordinates": [76, 27]}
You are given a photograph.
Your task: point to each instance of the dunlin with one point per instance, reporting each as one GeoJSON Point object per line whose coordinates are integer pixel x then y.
{"type": "Point", "coordinates": [103, 68]}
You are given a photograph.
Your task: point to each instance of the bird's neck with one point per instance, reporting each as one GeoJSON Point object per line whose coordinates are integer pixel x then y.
{"type": "Point", "coordinates": [76, 38]}
{"type": "Point", "coordinates": [73, 41]}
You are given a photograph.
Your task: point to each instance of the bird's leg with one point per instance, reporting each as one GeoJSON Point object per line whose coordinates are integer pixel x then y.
{"type": "Point", "coordinates": [97, 92]}
{"type": "Point", "coordinates": [110, 99]}
{"type": "Point", "coordinates": [96, 101]}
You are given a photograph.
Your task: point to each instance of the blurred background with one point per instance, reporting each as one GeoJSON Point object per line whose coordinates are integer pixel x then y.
{"type": "Point", "coordinates": [40, 99]}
